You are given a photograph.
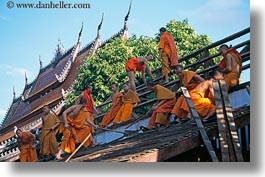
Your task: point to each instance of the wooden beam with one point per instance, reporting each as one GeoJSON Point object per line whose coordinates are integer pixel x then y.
{"type": "Point", "coordinates": [222, 126]}
{"type": "Point", "coordinates": [231, 122]}
{"type": "Point", "coordinates": [200, 126]}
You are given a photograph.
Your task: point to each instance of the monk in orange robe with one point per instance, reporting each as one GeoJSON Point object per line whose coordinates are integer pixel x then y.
{"type": "Point", "coordinates": [138, 64]}
{"type": "Point", "coordinates": [90, 105]}
{"type": "Point", "coordinates": [168, 52]}
{"type": "Point", "coordinates": [116, 105]}
{"type": "Point", "coordinates": [190, 80]}
{"type": "Point", "coordinates": [202, 104]}
{"type": "Point", "coordinates": [166, 100]}
{"type": "Point", "coordinates": [231, 65]}
{"type": "Point", "coordinates": [129, 101]}
{"type": "Point", "coordinates": [77, 127]}
{"type": "Point", "coordinates": [48, 142]}
{"type": "Point", "coordinates": [27, 146]}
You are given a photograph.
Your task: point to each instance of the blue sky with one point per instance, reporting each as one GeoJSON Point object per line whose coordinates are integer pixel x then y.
{"type": "Point", "coordinates": [27, 34]}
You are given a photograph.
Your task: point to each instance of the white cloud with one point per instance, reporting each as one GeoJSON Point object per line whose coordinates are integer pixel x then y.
{"type": "Point", "coordinates": [15, 71]}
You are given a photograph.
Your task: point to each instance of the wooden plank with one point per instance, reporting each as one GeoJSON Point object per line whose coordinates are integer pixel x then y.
{"type": "Point", "coordinates": [231, 122]}
{"type": "Point", "coordinates": [200, 126]}
{"type": "Point", "coordinates": [222, 125]}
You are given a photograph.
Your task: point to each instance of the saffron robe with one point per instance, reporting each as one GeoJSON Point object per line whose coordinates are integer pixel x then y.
{"type": "Point", "coordinates": [110, 115]}
{"type": "Point", "coordinates": [48, 142]}
{"type": "Point", "coordinates": [181, 107]}
{"type": "Point", "coordinates": [125, 112]}
{"type": "Point", "coordinates": [27, 152]}
{"type": "Point", "coordinates": [202, 105]}
{"type": "Point", "coordinates": [231, 78]}
{"type": "Point", "coordinates": [161, 113]}
{"type": "Point", "coordinates": [169, 54]}
{"type": "Point", "coordinates": [134, 65]}
{"type": "Point", "coordinates": [79, 127]}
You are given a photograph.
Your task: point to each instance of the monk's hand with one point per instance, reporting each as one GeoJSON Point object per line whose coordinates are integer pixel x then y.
{"type": "Point", "coordinates": [66, 125]}
{"type": "Point", "coordinates": [52, 128]}
{"type": "Point", "coordinates": [33, 146]}
{"type": "Point", "coordinates": [154, 108]}
{"type": "Point", "coordinates": [96, 126]}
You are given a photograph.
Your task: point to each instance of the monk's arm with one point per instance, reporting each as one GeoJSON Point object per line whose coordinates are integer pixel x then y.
{"type": "Point", "coordinates": [198, 78]}
{"type": "Point", "coordinates": [55, 126]}
{"type": "Point", "coordinates": [65, 113]}
{"type": "Point", "coordinates": [91, 123]}
{"type": "Point", "coordinates": [211, 88]}
{"type": "Point", "coordinates": [95, 109]}
{"type": "Point", "coordinates": [77, 101]}
{"type": "Point", "coordinates": [116, 103]}
{"type": "Point", "coordinates": [33, 138]}
{"type": "Point", "coordinates": [160, 53]}
{"type": "Point", "coordinates": [228, 64]}
{"type": "Point", "coordinates": [159, 104]}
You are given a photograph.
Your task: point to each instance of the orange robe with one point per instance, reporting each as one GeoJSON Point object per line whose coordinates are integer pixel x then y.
{"type": "Point", "coordinates": [134, 65]}
{"type": "Point", "coordinates": [89, 101]}
{"type": "Point", "coordinates": [181, 107]}
{"type": "Point", "coordinates": [89, 106]}
{"type": "Point", "coordinates": [202, 105]}
{"type": "Point", "coordinates": [169, 54]}
{"type": "Point", "coordinates": [125, 112]}
{"type": "Point", "coordinates": [79, 127]}
{"type": "Point", "coordinates": [48, 142]}
{"type": "Point", "coordinates": [161, 113]}
{"type": "Point", "coordinates": [27, 153]}
{"type": "Point", "coordinates": [232, 78]}
{"type": "Point", "coordinates": [113, 111]}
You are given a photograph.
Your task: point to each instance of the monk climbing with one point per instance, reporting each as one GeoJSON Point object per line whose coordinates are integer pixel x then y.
{"type": "Point", "coordinates": [116, 105]}
{"type": "Point", "coordinates": [202, 104]}
{"type": "Point", "coordinates": [90, 105]}
{"type": "Point", "coordinates": [26, 145]}
{"type": "Point", "coordinates": [77, 127]}
{"type": "Point", "coordinates": [129, 101]}
{"type": "Point", "coordinates": [231, 65]}
{"type": "Point", "coordinates": [167, 52]}
{"type": "Point", "coordinates": [48, 142]}
{"type": "Point", "coordinates": [190, 80]}
{"type": "Point", "coordinates": [166, 100]}
{"type": "Point", "coordinates": [138, 64]}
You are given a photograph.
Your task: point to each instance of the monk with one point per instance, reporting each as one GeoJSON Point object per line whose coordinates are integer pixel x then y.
{"type": "Point", "coordinates": [166, 100]}
{"type": "Point", "coordinates": [26, 145]}
{"type": "Point", "coordinates": [77, 127]}
{"type": "Point", "coordinates": [129, 101]}
{"type": "Point", "coordinates": [190, 80]}
{"type": "Point", "coordinates": [231, 65]}
{"type": "Point", "coordinates": [138, 64]}
{"type": "Point", "coordinates": [167, 52]}
{"type": "Point", "coordinates": [90, 105]}
{"type": "Point", "coordinates": [202, 104]}
{"type": "Point", "coordinates": [116, 105]}
{"type": "Point", "coordinates": [48, 142]}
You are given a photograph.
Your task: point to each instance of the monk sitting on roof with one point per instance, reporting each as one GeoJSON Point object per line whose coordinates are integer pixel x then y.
{"type": "Point", "coordinates": [202, 104]}
{"type": "Point", "coordinates": [48, 142]}
{"type": "Point", "coordinates": [166, 100]}
{"type": "Point", "coordinates": [116, 105]}
{"type": "Point", "coordinates": [190, 80]}
{"type": "Point", "coordinates": [168, 52]}
{"type": "Point", "coordinates": [77, 127]}
{"type": "Point", "coordinates": [231, 65]}
{"type": "Point", "coordinates": [138, 64]}
{"type": "Point", "coordinates": [26, 145]}
{"type": "Point", "coordinates": [129, 101]}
